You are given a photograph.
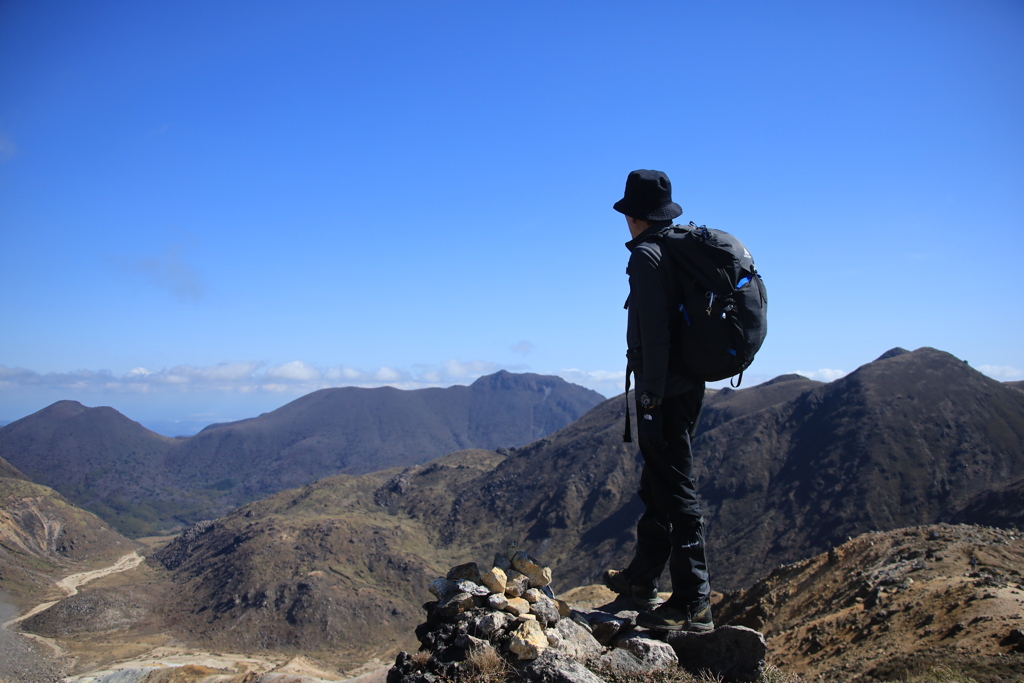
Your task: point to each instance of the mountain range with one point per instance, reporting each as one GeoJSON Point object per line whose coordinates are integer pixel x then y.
{"type": "Point", "coordinates": [142, 482]}
{"type": "Point", "coordinates": [786, 470]}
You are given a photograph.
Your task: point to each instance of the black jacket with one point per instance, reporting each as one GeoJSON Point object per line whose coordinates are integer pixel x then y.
{"type": "Point", "coordinates": [651, 307]}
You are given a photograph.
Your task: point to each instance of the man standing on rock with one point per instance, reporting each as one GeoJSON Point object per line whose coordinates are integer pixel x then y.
{"type": "Point", "coordinates": [668, 405]}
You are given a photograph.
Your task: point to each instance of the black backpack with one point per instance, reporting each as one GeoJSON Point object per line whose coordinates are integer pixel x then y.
{"type": "Point", "coordinates": [723, 303]}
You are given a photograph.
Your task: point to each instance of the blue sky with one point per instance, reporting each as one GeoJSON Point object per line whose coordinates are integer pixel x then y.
{"type": "Point", "coordinates": [208, 209]}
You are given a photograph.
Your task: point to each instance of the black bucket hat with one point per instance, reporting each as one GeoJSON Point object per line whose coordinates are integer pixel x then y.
{"type": "Point", "coordinates": [648, 197]}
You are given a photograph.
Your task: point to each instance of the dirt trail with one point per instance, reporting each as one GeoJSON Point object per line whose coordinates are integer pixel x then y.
{"type": "Point", "coordinates": [69, 586]}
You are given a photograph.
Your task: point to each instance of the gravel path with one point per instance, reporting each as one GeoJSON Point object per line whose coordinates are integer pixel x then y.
{"type": "Point", "coordinates": [24, 660]}
{"type": "Point", "coordinates": [33, 659]}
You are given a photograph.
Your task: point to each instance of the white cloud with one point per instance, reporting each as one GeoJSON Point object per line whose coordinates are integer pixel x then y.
{"type": "Point", "coordinates": [1003, 373]}
{"type": "Point", "coordinates": [386, 374]}
{"type": "Point", "coordinates": [294, 377]}
{"type": "Point", "coordinates": [822, 374]}
{"type": "Point", "coordinates": [295, 370]}
{"type": "Point", "coordinates": [454, 369]}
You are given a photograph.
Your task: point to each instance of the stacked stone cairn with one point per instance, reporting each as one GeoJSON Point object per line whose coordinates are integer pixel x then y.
{"type": "Point", "coordinates": [508, 624]}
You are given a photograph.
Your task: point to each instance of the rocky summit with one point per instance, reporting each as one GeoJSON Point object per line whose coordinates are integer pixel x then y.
{"type": "Point", "coordinates": [506, 622]}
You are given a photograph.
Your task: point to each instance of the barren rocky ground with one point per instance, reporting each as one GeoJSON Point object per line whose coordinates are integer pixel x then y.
{"type": "Point", "coordinates": [24, 660]}
{"type": "Point", "coordinates": [885, 606]}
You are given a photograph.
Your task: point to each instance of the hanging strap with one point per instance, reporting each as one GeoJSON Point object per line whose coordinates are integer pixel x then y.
{"type": "Point", "coordinates": [627, 435]}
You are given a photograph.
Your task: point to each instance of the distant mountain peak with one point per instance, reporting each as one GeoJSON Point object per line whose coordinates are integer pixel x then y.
{"type": "Point", "coordinates": [892, 353]}
{"type": "Point", "coordinates": [791, 377]}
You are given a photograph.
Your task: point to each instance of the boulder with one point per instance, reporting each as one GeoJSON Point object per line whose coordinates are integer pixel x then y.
{"type": "Point", "coordinates": [517, 584]}
{"type": "Point", "coordinates": [487, 624]}
{"type": "Point", "coordinates": [606, 627]}
{"type": "Point", "coordinates": [524, 564]}
{"type": "Point", "coordinates": [466, 586]}
{"type": "Point", "coordinates": [735, 653]}
{"type": "Point", "coordinates": [581, 619]}
{"type": "Point", "coordinates": [546, 611]}
{"type": "Point", "coordinates": [528, 641]}
{"type": "Point", "coordinates": [495, 580]}
{"type": "Point", "coordinates": [497, 602]}
{"type": "Point", "coordinates": [653, 654]}
{"type": "Point", "coordinates": [456, 604]}
{"type": "Point", "coordinates": [517, 606]}
{"type": "Point", "coordinates": [472, 645]}
{"type": "Point", "coordinates": [442, 588]}
{"type": "Point", "coordinates": [556, 667]}
{"type": "Point", "coordinates": [502, 562]}
{"type": "Point", "coordinates": [620, 662]}
{"type": "Point", "coordinates": [469, 571]}
{"type": "Point", "coordinates": [576, 641]}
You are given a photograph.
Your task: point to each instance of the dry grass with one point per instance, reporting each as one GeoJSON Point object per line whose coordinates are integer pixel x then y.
{"type": "Point", "coordinates": [487, 666]}
{"type": "Point", "coordinates": [771, 674]}
{"type": "Point", "coordinates": [421, 658]}
{"type": "Point", "coordinates": [942, 674]}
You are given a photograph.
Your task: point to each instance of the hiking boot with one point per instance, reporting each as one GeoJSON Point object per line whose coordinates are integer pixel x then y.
{"type": "Point", "coordinates": [645, 598]}
{"type": "Point", "coordinates": [669, 618]}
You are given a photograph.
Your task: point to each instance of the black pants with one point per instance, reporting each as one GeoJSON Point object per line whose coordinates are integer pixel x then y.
{"type": "Point", "coordinates": [671, 529]}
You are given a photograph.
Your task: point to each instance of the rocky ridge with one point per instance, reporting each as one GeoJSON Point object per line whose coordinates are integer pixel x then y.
{"type": "Point", "coordinates": [890, 605]}
{"type": "Point", "coordinates": [507, 622]}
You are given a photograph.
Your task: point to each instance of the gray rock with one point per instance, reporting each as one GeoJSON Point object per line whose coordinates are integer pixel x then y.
{"type": "Point", "coordinates": [556, 667]}
{"type": "Point", "coordinates": [468, 571]}
{"type": "Point", "coordinates": [606, 627]}
{"type": "Point", "coordinates": [628, 616]}
{"type": "Point", "coordinates": [502, 562]}
{"type": "Point", "coordinates": [581, 619]}
{"type": "Point", "coordinates": [486, 625]}
{"type": "Point", "coordinates": [734, 652]}
{"type": "Point", "coordinates": [460, 602]}
{"type": "Point", "coordinates": [442, 589]}
{"type": "Point", "coordinates": [473, 645]}
{"type": "Point", "coordinates": [576, 641]}
{"type": "Point", "coordinates": [620, 662]}
{"type": "Point", "coordinates": [654, 654]}
{"type": "Point", "coordinates": [546, 611]}
{"type": "Point", "coordinates": [466, 586]}
{"type": "Point", "coordinates": [497, 602]}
